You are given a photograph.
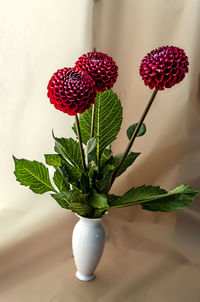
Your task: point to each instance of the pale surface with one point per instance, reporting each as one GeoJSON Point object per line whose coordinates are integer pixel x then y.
{"type": "Point", "coordinates": [149, 257]}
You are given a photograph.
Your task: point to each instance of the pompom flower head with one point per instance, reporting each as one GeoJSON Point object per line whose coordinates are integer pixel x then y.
{"type": "Point", "coordinates": [164, 67]}
{"type": "Point", "coordinates": [71, 90]}
{"type": "Point", "coordinates": [100, 67]}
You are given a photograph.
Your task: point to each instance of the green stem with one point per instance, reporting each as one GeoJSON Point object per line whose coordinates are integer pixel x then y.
{"type": "Point", "coordinates": [80, 142]}
{"type": "Point", "coordinates": [92, 121]}
{"type": "Point", "coordinates": [133, 137]}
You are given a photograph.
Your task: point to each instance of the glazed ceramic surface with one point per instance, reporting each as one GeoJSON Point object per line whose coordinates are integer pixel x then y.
{"type": "Point", "coordinates": [88, 244]}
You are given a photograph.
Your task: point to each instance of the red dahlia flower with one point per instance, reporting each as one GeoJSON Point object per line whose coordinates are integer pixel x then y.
{"type": "Point", "coordinates": [71, 90]}
{"type": "Point", "coordinates": [100, 67]}
{"type": "Point", "coordinates": [164, 67]}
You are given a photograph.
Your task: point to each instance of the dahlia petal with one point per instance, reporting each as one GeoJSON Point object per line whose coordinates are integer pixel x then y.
{"type": "Point", "coordinates": [100, 67]}
{"type": "Point", "coordinates": [164, 67]}
{"type": "Point", "coordinates": [69, 89]}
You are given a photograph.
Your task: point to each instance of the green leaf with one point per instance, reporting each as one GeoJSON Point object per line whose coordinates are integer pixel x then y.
{"type": "Point", "coordinates": [76, 195]}
{"type": "Point", "coordinates": [33, 174]}
{"type": "Point", "coordinates": [108, 119]}
{"type": "Point", "coordinates": [103, 184]}
{"type": "Point", "coordinates": [131, 157]}
{"type": "Point", "coordinates": [54, 160]}
{"type": "Point", "coordinates": [92, 168]}
{"type": "Point", "coordinates": [98, 201]}
{"type": "Point", "coordinates": [98, 213]}
{"type": "Point", "coordinates": [61, 200]}
{"type": "Point", "coordinates": [112, 199]}
{"type": "Point", "coordinates": [70, 172]}
{"type": "Point", "coordinates": [92, 172]}
{"type": "Point", "coordinates": [156, 199]}
{"type": "Point", "coordinates": [105, 157]}
{"type": "Point", "coordinates": [60, 180]}
{"type": "Point", "coordinates": [78, 207]}
{"type": "Point", "coordinates": [85, 186]}
{"type": "Point", "coordinates": [81, 209]}
{"type": "Point", "coordinates": [73, 173]}
{"type": "Point", "coordinates": [131, 129]}
{"type": "Point", "coordinates": [178, 198]}
{"type": "Point", "coordinates": [92, 149]}
{"type": "Point", "coordinates": [136, 196]}
{"type": "Point", "coordinates": [69, 149]}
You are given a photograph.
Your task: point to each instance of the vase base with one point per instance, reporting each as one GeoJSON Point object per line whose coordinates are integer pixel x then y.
{"type": "Point", "coordinates": [84, 277]}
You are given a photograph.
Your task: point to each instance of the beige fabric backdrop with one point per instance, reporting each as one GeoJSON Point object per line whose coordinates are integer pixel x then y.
{"type": "Point", "coordinates": [150, 257]}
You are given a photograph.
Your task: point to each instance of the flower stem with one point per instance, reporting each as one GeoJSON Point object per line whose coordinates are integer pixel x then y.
{"type": "Point", "coordinates": [133, 137]}
{"type": "Point", "coordinates": [80, 142]}
{"type": "Point", "coordinates": [92, 121]}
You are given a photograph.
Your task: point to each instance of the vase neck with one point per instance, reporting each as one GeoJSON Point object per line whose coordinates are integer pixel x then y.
{"type": "Point", "coordinates": [89, 220]}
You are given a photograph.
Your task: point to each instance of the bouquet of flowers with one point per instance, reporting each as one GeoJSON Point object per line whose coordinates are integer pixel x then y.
{"type": "Point", "coordinates": [85, 167]}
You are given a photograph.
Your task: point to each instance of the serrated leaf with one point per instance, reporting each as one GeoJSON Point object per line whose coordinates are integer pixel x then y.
{"type": "Point", "coordinates": [61, 181]}
{"type": "Point", "coordinates": [81, 209]}
{"type": "Point", "coordinates": [92, 149]}
{"type": "Point", "coordinates": [92, 172]}
{"type": "Point", "coordinates": [131, 129]}
{"type": "Point", "coordinates": [76, 195]}
{"type": "Point", "coordinates": [156, 199]}
{"type": "Point", "coordinates": [103, 184]}
{"type": "Point", "coordinates": [136, 196]}
{"type": "Point", "coordinates": [105, 157]}
{"type": "Point", "coordinates": [178, 198]}
{"type": "Point", "coordinates": [61, 200]}
{"type": "Point", "coordinates": [108, 118]}
{"type": "Point", "coordinates": [54, 160]}
{"type": "Point", "coordinates": [69, 149]}
{"type": "Point", "coordinates": [33, 174]}
{"type": "Point", "coordinates": [131, 157]}
{"type": "Point", "coordinates": [73, 173]}
{"type": "Point", "coordinates": [80, 206]}
{"type": "Point", "coordinates": [98, 201]}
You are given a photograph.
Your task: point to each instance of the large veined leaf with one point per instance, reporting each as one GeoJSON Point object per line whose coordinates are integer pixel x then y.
{"type": "Point", "coordinates": [103, 184]}
{"type": "Point", "coordinates": [98, 201]}
{"type": "Point", "coordinates": [92, 150]}
{"type": "Point", "coordinates": [75, 196]}
{"type": "Point", "coordinates": [108, 119]}
{"type": "Point", "coordinates": [137, 195]}
{"type": "Point", "coordinates": [33, 174]}
{"type": "Point", "coordinates": [131, 157]}
{"type": "Point", "coordinates": [82, 209]}
{"type": "Point", "coordinates": [92, 172]}
{"type": "Point", "coordinates": [71, 172]}
{"type": "Point", "coordinates": [69, 149]}
{"type": "Point", "coordinates": [61, 200]}
{"type": "Point", "coordinates": [60, 180]}
{"type": "Point", "coordinates": [105, 157]}
{"type": "Point", "coordinates": [156, 199]}
{"type": "Point", "coordinates": [176, 199]}
{"type": "Point", "coordinates": [79, 206]}
{"type": "Point", "coordinates": [54, 160]}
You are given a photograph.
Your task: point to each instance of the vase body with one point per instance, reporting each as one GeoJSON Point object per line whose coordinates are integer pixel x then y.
{"type": "Point", "coordinates": [88, 241]}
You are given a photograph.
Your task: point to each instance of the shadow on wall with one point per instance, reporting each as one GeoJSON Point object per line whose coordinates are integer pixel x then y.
{"type": "Point", "coordinates": [180, 157]}
{"type": "Point", "coordinates": [198, 93]}
{"type": "Point", "coordinates": [115, 14]}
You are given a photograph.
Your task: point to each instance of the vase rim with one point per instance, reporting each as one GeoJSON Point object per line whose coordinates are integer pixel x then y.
{"type": "Point", "coordinates": [92, 219]}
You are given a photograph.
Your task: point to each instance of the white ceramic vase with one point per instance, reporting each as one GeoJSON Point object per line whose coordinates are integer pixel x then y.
{"type": "Point", "coordinates": [88, 244]}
